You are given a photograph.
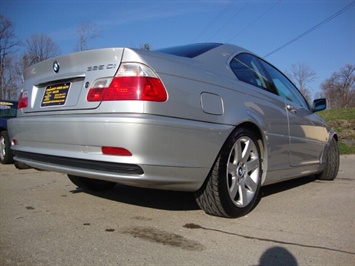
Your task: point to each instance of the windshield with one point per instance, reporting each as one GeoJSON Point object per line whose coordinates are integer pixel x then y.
{"type": "Point", "coordinates": [8, 109]}
{"type": "Point", "coordinates": [190, 51]}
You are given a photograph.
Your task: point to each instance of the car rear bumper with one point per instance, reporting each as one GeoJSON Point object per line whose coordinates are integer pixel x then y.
{"type": "Point", "coordinates": [167, 153]}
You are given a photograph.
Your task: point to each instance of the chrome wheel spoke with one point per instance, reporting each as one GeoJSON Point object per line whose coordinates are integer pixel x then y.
{"type": "Point", "coordinates": [252, 164]}
{"type": "Point", "coordinates": [233, 184]}
{"type": "Point", "coordinates": [232, 168]}
{"type": "Point", "coordinates": [234, 187]}
{"type": "Point", "coordinates": [243, 201]}
{"type": "Point", "coordinates": [250, 184]}
{"type": "Point", "coordinates": [238, 153]}
{"type": "Point", "coordinates": [246, 151]}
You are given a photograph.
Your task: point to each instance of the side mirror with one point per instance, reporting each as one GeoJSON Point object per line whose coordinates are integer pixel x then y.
{"type": "Point", "coordinates": [319, 105]}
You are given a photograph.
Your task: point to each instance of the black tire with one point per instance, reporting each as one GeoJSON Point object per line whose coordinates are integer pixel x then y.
{"type": "Point", "coordinates": [330, 171]}
{"type": "Point", "coordinates": [232, 187]}
{"type": "Point", "coordinates": [91, 184]}
{"type": "Point", "coordinates": [6, 156]}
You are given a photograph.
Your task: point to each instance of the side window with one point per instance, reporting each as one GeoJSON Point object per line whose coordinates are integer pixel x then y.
{"type": "Point", "coordinates": [284, 86]}
{"type": "Point", "coordinates": [247, 68]}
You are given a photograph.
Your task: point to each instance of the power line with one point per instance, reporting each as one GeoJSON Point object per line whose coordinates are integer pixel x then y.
{"type": "Point", "coordinates": [234, 15]}
{"type": "Point", "coordinates": [214, 20]}
{"type": "Point", "coordinates": [311, 29]}
{"type": "Point", "coordinates": [254, 21]}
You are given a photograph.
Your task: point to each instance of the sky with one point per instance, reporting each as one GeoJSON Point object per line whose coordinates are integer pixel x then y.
{"type": "Point", "coordinates": [317, 33]}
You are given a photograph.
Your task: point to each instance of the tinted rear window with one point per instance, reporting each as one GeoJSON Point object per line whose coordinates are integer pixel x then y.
{"type": "Point", "coordinates": [191, 50]}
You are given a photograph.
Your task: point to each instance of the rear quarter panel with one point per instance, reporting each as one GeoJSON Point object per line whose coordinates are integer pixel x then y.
{"type": "Point", "coordinates": [186, 80]}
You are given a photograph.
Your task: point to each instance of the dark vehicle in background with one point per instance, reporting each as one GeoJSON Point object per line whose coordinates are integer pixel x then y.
{"type": "Point", "coordinates": [8, 109]}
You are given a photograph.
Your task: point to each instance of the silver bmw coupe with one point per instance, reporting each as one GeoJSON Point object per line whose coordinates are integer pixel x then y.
{"type": "Point", "coordinates": [211, 118]}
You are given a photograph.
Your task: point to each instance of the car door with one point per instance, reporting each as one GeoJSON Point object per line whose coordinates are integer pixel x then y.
{"type": "Point", "coordinates": [248, 69]}
{"type": "Point", "coordinates": [306, 138]}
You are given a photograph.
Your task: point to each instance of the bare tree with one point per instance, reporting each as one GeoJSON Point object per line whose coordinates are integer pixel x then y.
{"type": "Point", "coordinates": [40, 47]}
{"type": "Point", "coordinates": [8, 46]}
{"type": "Point", "coordinates": [339, 89]}
{"type": "Point", "coordinates": [12, 78]}
{"type": "Point", "coordinates": [86, 32]}
{"type": "Point", "coordinates": [301, 75]}
{"type": "Point", "coordinates": [146, 46]}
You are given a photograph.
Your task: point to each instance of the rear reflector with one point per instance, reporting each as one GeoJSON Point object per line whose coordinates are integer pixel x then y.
{"type": "Point", "coordinates": [133, 81]}
{"type": "Point", "coordinates": [115, 151]}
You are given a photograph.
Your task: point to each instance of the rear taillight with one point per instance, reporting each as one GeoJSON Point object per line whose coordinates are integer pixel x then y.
{"type": "Point", "coordinates": [23, 100]}
{"type": "Point", "coordinates": [133, 81]}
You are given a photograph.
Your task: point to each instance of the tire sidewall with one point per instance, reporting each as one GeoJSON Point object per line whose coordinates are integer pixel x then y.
{"type": "Point", "coordinates": [7, 157]}
{"type": "Point", "coordinates": [332, 165]}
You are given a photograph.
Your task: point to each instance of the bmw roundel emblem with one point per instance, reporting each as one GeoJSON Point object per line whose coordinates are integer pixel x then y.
{"type": "Point", "coordinates": [56, 67]}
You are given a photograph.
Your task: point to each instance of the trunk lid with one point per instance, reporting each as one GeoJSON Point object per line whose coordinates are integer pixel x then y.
{"type": "Point", "coordinates": [62, 83]}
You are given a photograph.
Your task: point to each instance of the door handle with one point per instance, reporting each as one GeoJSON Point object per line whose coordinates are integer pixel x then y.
{"type": "Point", "coordinates": [291, 108]}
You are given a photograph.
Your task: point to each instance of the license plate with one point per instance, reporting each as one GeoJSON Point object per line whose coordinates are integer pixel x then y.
{"type": "Point", "coordinates": [55, 95]}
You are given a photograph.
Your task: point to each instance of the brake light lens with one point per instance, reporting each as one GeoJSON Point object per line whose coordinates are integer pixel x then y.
{"type": "Point", "coordinates": [23, 100]}
{"type": "Point", "coordinates": [133, 81]}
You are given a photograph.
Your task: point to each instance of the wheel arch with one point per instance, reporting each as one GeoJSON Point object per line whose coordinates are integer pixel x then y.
{"type": "Point", "coordinates": [335, 136]}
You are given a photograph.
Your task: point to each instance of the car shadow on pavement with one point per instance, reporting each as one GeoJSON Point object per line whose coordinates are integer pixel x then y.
{"type": "Point", "coordinates": [152, 198]}
{"type": "Point", "coordinates": [179, 201]}
{"type": "Point", "coordinates": [286, 185]}
{"type": "Point", "coordinates": [283, 186]}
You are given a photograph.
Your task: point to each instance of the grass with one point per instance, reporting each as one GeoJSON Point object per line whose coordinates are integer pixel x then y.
{"type": "Point", "coordinates": [336, 114]}
{"type": "Point", "coordinates": [342, 120]}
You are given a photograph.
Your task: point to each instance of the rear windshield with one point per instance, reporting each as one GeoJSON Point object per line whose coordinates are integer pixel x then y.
{"type": "Point", "coordinates": [190, 51]}
{"type": "Point", "coordinates": [8, 109]}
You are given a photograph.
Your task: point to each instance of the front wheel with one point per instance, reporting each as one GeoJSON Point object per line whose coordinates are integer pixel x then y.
{"type": "Point", "coordinates": [232, 187]}
{"type": "Point", "coordinates": [91, 184]}
{"type": "Point", "coordinates": [5, 148]}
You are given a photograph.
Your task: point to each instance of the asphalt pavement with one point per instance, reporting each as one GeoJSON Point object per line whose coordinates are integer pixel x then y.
{"type": "Point", "coordinates": [47, 220]}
